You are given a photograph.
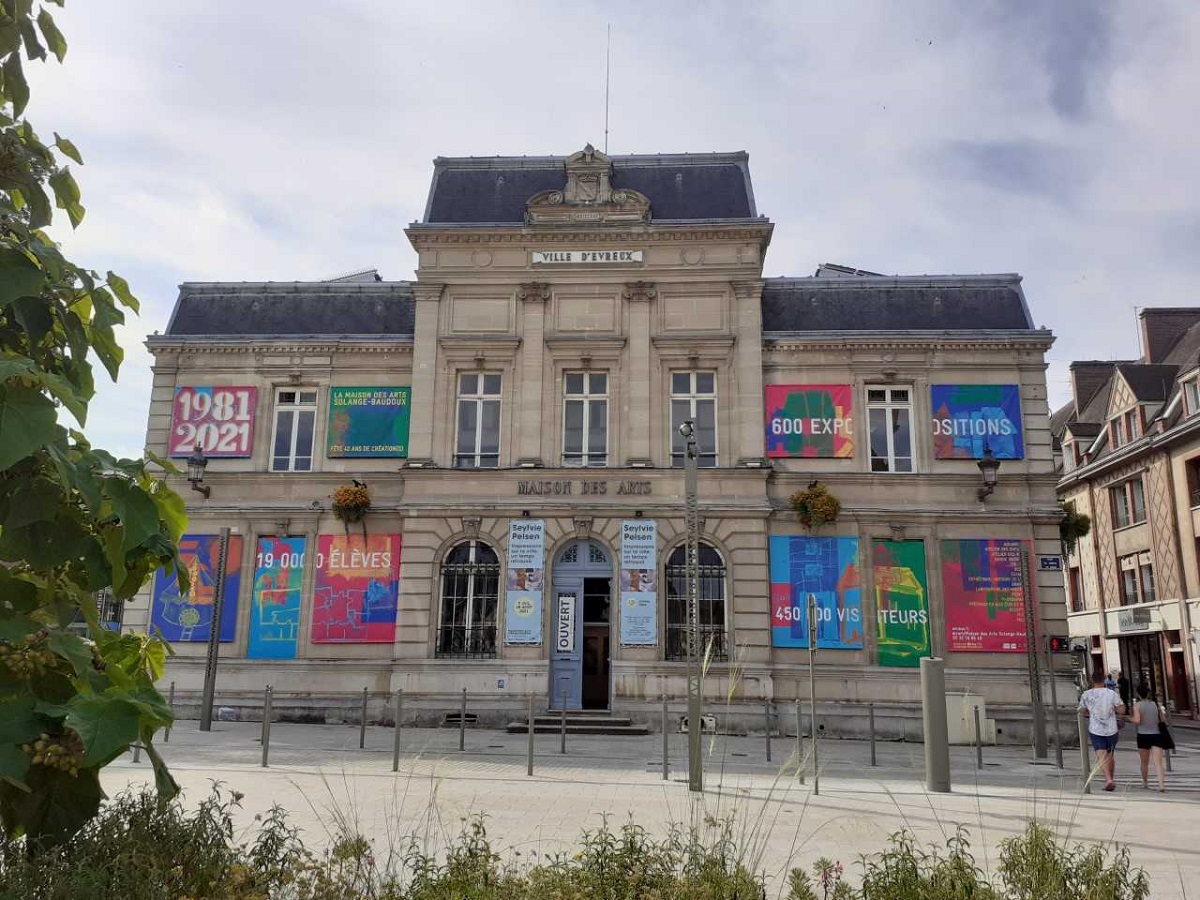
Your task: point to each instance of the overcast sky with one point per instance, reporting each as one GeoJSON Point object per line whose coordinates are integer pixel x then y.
{"type": "Point", "coordinates": [293, 140]}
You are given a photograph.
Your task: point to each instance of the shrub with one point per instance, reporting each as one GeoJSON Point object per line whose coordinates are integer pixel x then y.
{"type": "Point", "coordinates": [815, 506]}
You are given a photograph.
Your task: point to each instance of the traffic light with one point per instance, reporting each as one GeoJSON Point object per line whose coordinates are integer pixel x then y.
{"type": "Point", "coordinates": [1059, 643]}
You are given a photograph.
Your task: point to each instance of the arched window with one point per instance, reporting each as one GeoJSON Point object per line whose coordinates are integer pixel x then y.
{"type": "Point", "coordinates": [712, 604]}
{"type": "Point", "coordinates": [470, 587]}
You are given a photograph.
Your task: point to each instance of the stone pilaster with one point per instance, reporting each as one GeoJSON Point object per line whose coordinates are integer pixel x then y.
{"type": "Point", "coordinates": [428, 297]}
{"type": "Point", "coordinates": [748, 412]}
{"type": "Point", "coordinates": [533, 296]}
{"type": "Point", "coordinates": [638, 297]}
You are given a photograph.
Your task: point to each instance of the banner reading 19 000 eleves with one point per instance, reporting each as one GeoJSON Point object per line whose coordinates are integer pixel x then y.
{"type": "Point", "coordinates": [985, 596]}
{"type": "Point", "coordinates": [357, 584]}
{"type": "Point", "coordinates": [275, 601]}
{"type": "Point", "coordinates": [368, 421]}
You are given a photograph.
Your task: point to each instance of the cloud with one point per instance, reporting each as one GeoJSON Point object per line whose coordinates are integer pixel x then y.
{"type": "Point", "coordinates": [280, 140]}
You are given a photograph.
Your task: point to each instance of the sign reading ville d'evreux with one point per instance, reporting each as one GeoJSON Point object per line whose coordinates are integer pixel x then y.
{"type": "Point", "coordinates": [553, 257]}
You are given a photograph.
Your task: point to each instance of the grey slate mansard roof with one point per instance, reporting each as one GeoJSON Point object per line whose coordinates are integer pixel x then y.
{"type": "Point", "coordinates": [293, 309]}
{"type": "Point", "coordinates": [681, 187]}
{"type": "Point", "coordinates": [905, 303]}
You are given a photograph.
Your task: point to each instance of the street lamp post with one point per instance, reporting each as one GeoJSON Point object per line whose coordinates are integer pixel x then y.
{"type": "Point", "coordinates": [214, 634]}
{"type": "Point", "coordinates": [692, 522]}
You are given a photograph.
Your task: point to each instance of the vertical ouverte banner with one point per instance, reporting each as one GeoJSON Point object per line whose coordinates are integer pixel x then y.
{"type": "Point", "coordinates": [901, 602]}
{"type": "Point", "coordinates": [827, 569]}
{"type": "Point", "coordinates": [275, 600]}
{"type": "Point", "coordinates": [639, 582]}
{"type": "Point", "coordinates": [188, 617]}
{"type": "Point", "coordinates": [526, 577]}
{"type": "Point", "coordinates": [355, 589]}
{"type": "Point", "coordinates": [985, 596]}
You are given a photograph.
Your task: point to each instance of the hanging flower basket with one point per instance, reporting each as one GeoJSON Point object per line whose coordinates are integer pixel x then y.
{"type": "Point", "coordinates": [816, 506]}
{"type": "Point", "coordinates": [1072, 527]}
{"type": "Point", "coordinates": [351, 502]}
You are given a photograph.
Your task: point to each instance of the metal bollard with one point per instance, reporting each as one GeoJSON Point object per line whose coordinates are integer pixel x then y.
{"type": "Point", "coordinates": [462, 722]}
{"type": "Point", "coordinates": [978, 742]}
{"type": "Point", "coordinates": [529, 761]}
{"type": "Point", "coordinates": [799, 744]}
{"type": "Point", "coordinates": [170, 703]}
{"type": "Point", "coordinates": [933, 715]}
{"type": "Point", "coordinates": [1085, 762]}
{"type": "Point", "coordinates": [768, 720]}
{"type": "Point", "coordinates": [362, 723]}
{"type": "Point", "coordinates": [396, 736]}
{"type": "Point", "coordinates": [666, 747]}
{"type": "Point", "coordinates": [1167, 759]}
{"type": "Point", "coordinates": [871, 723]}
{"type": "Point", "coordinates": [268, 695]}
{"type": "Point", "coordinates": [564, 722]}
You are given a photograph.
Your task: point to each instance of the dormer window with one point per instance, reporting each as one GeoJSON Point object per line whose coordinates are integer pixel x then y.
{"type": "Point", "coordinates": [1191, 397]}
{"type": "Point", "coordinates": [1133, 425]}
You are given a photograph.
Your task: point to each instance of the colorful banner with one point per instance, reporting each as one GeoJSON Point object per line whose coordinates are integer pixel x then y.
{"type": "Point", "coordinates": [526, 574]}
{"type": "Point", "coordinates": [901, 602]}
{"type": "Point", "coordinates": [809, 420]}
{"type": "Point", "coordinates": [356, 585]}
{"type": "Point", "coordinates": [826, 568]}
{"type": "Point", "coordinates": [969, 417]}
{"type": "Point", "coordinates": [275, 601]}
{"type": "Point", "coordinates": [188, 617]}
{"type": "Point", "coordinates": [218, 420]}
{"type": "Point", "coordinates": [985, 600]}
{"type": "Point", "coordinates": [368, 422]}
{"type": "Point", "coordinates": [639, 582]}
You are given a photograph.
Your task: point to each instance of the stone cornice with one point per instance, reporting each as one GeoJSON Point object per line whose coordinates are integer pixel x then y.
{"type": "Point", "coordinates": [780, 342]}
{"type": "Point", "coordinates": [422, 236]}
{"type": "Point", "coordinates": [316, 344]}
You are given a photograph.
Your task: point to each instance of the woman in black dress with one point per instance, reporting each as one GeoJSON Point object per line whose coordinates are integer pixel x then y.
{"type": "Point", "coordinates": [1150, 740]}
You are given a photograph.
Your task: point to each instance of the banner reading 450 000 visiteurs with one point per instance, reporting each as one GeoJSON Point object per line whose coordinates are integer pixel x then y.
{"type": "Point", "coordinates": [826, 569]}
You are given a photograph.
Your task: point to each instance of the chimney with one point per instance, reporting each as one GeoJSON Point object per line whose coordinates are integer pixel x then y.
{"type": "Point", "coordinates": [1162, 327]}
{"type": "Point", "coordinates": [1087, 377]}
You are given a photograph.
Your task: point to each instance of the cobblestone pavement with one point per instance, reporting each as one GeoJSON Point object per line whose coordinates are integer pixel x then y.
{"type": "Point", "coordinates": [319, 774]}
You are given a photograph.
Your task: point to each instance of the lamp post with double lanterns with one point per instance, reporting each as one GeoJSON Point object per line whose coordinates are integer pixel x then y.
{"type": "Point", "coordinates": [692, 522]}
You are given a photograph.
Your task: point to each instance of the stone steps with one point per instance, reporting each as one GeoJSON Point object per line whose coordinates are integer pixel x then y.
{"type": "Point", "coordinates": [580, 722]}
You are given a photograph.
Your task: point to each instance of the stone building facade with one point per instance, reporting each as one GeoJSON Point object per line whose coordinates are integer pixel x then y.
{"type": "Point", "coordinates": [566, 316]}
{"type": "Point", "coordinates": [1129, 455]}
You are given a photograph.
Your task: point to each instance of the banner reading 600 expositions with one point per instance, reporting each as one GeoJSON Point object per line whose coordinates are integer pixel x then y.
{"type": "Point", "coordinates": [809, 420]}
{"type": "Point", "coordinates": [971, 418]}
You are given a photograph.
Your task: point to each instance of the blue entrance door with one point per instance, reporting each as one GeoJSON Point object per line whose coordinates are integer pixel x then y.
{"type": "Point", "coordinates": [581, 571]}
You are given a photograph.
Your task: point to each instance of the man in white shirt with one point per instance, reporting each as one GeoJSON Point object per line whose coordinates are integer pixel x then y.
{"type": "Point", "coordinates": [1102, 706]}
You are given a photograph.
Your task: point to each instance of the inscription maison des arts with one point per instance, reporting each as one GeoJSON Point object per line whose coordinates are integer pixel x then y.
{"type": "Point", "coordinates": [568, 488]}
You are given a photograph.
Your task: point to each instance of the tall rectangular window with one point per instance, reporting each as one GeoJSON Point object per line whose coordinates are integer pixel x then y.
{"type": "Point", "coordinates": [1075, 586]}
{"type": "Point", "coordinates": [889, 416]}
{"type": "Point", "coordinates": [585, 419]}
{"type": "Point", "coordinates": [477, 445]}
{"type": "Point", "coordinates": [1137, 578]}
{"type": "Point", "coordinates": [1147, 571]}
{"type": "Point", "coordinates": [1128, 503]}
{"type": "Point", "coordinates": [1133, 425]}
{"type": "Point", "coordinates": [1191, 397]}
{"type": "Point", "coordinates": [295, 426]}
{"type": "Point", "coordinates": [694, 396]}
{"type": "Point", "coordinates": [1137, 500]}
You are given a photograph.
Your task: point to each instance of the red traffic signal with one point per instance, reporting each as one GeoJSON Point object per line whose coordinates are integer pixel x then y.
{"type": "Point", "coordinates": [1058, 643]}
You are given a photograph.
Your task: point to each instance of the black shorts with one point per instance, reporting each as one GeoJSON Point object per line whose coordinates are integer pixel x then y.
{"type": "Point", "coordinates": [1146, 741]}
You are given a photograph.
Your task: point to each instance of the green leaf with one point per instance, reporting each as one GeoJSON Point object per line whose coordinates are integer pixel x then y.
{"type": "Point", "coordinates": [120, 287]}
{"type": "Point", "coordinates": [66, 195]}
{"type": "Point", "coordinates": [18, 722]}
{"type": "Point", "coordinates": [153, 707]}
{"type": "Point", "coordinates": [67, 148]}
{"type": "Point", "coordinates": [56, 805]}
{"type": "Point", "coordinates": [15, 86]}
{"type": "Point", "coordinates": [171, 511]}
{"type": "Point", "coordinates": [13, 765]}
{"type": "Point", "coordinates": [72, 648]}
{"type": "Point", "coordinates": [168, 787]}
{"type": "Point", "coordinates": [33, 500]}
{"type": "Point", "coordinates": [135, 509]}
{"type": "Point", "coordinates": [107, 726]}
{"type": "Point", "coordinates": [54, 38]}
{"type": "Point", "coordinates": [19, 276]}
{"type": "Point", "coordinates": [33, 47]}
{"type": "Point", "coordinates": [27, 421]}
{"type": "Point", "coordinates": [11, 366]}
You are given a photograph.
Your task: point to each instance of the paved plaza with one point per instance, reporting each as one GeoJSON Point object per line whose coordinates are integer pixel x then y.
{"type": "Point", "coordinates": [318, 772]}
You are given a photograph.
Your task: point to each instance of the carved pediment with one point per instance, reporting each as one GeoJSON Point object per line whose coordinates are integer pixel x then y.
{"type": "Point", "coordinates": [588, 196]}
